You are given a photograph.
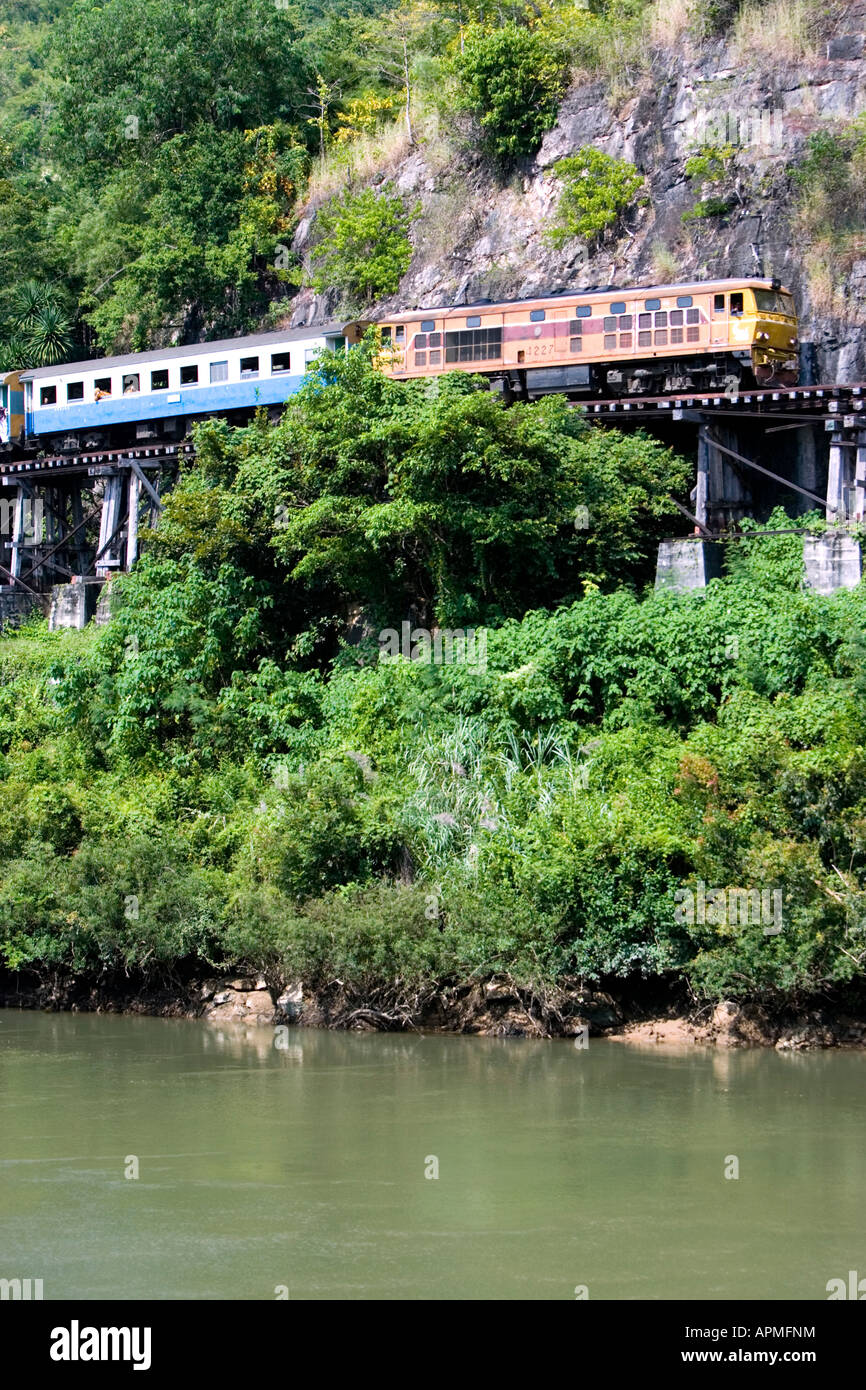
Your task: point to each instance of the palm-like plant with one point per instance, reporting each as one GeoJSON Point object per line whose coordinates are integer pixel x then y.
{"type": "Point", "coordinates": [49, 336]}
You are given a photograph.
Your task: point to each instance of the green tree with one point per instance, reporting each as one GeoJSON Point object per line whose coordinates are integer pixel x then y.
{"type": "Point", "coordinates": [362, 244]}
{"type": "Point", "coordinates": [511, 79]}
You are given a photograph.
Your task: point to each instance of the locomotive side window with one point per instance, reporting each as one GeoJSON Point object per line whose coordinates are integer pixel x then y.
{"type": "Point", "coordinates": [189, 376]}
{"type": "Point", "coordinates": [477, 345]}
{"type": "Point", "coordinates": [219, 371]}
{"type": "Point", "coordinates": [584, 311]}
{"type": "Point", "coordinates": [281, 361]}
{"type": "Point", "coordinates": [75, 391]}
{"type": "Point", "coordinates": [48, 395]}
{"type": "Point", "coordinates": [131, 384]}
{"type": "Point", "coordinates": [718, 304]}
{"type": "Point", "coordinates": [428, 326]}
{"type": "Point", "coordinates": [536, 315]}
{"type": "Point", "coordinates": [575, 329]}
{"type": "Point", "coordinates": [652, 304]}
{"type": "Point", "coordinates": [159, 379]}
{"type": "Point", "coordinates": [693, 316]}
{"type": "Point", "coordinates": [684, 301]}
{"type": "Point", "coordinates": [676, 318]}
{"type": "Point", "coordinates": [618, 308]}
{"type": "Point", "coordinates": [474, 321]}
{"type": "Point", "coordinates": [249, 366]}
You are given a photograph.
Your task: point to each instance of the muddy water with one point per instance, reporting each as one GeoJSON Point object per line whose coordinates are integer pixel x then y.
{"type": "Point", "coordinates": [358, 1166]}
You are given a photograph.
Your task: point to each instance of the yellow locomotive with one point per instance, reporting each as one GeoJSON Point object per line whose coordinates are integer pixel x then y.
{"type": "Point", "coordinates": [724, 335]}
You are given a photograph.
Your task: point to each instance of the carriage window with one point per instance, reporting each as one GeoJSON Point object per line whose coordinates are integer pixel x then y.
{"type": "Point", "coordinates": [102, 387]}
{"type": "Point", "coordinates": [159, 380]}
{"type": "Point", "coordinates": [536, 315]}
{"type": "Point", "coordinates": [736, 303]}
{"type": "Point", "coordinates": [684, 301]}
{"type": "Point", "coordinates": [618, 308]}
{"type": "Point", "coordinates": [428, 326]}
{"type": "Point", "coordinates": [75, 391]}
{"type": "Point", "coordinates": [48, 395]}
{"type": "Point", "coordinates": [219, 371]}
{"type": "Point", "coordinates": [474, 321]}
{"type": "Point", "coordinates": [189, 376]}
{"type": "Point", "coordinates": [652, 304]}
{"type": "Point", "coordinates": [131, 384]}
{"type": "Point", "coordinates": [249, 366]}
{"type": "Point", "coordinates": [281, 361]}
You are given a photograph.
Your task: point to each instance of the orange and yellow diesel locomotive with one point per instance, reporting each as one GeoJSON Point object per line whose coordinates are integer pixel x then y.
{"type": "Point", "coordinates": [723, 335]}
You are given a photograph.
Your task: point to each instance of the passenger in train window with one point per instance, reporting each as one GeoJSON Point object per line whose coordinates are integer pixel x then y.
{"type": "Point", "coordinates": [131, 385]}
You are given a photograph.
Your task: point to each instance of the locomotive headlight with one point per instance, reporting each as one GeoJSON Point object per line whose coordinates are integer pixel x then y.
{"type": "Point", "coordinates": [792, 342]}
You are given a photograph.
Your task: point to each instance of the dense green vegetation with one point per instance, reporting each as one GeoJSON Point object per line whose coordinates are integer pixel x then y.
{"type": "Point", "coordinates": [229, 773]}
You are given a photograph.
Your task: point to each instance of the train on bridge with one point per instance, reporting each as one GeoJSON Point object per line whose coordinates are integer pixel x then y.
{"type": "Point", "coordinates": [719, 336]}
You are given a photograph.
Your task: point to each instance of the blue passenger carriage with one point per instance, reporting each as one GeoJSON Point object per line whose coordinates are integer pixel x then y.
{"type": "Point", "coordinates": [118, 402]}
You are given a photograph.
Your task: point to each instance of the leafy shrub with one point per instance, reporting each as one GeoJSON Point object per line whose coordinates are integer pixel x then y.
{"type": "Point", "coordinates": [596, 190]}
{"type": "Point", "coordinates": [362, 245]}
{"type": "Point", "coordinates": [511, 78]}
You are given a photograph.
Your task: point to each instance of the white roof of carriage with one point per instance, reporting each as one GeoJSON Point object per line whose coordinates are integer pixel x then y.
{"type": "Point", "coordinates": [98, 364]}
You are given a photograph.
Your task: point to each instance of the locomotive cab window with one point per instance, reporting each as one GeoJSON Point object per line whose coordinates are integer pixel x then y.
{"type": "Point", "coordinates": [249, 366]}
{"type": "Point", "coordinates": [189, 376]}
{"type": "Point", "coordinates": [75, 391]}
{"type": "Point", "coordinates": [48, 395]}
{"type": "Point", "coordinates": [736, 304]}
{"type": "Point", "coordinates": [159, 379]}
{"type": "Point", "coordinates": [718, 303]}
{"type": "Point", "coordinates": [280, 362]}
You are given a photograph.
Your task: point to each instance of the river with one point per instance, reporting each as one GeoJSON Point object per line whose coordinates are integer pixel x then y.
{"type": "Point", "coordinates": [315, 1165]}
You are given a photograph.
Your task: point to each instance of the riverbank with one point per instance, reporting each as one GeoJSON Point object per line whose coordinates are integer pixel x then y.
{"type": "Point", "coordinates": [494, 1007]}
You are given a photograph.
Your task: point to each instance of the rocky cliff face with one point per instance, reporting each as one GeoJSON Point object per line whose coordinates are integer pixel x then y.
{"type": "Point", "coordinates": [479, 238]}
